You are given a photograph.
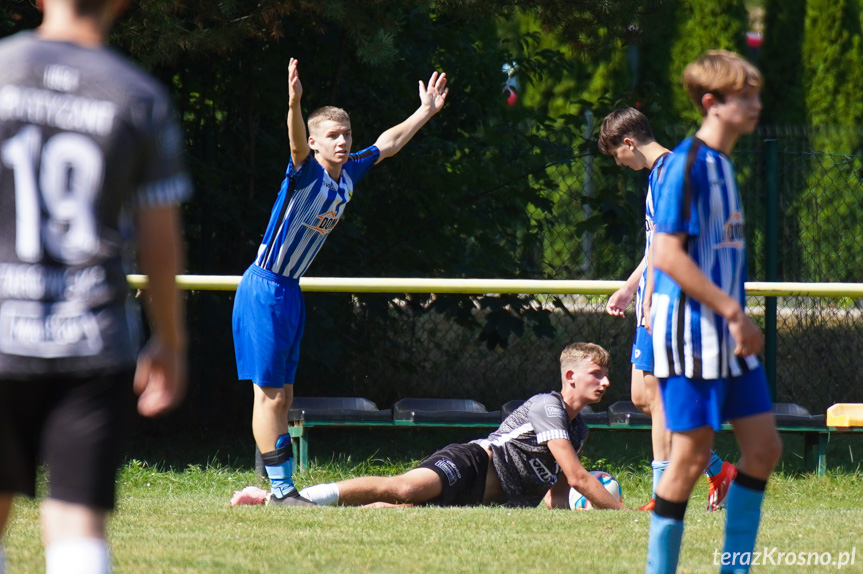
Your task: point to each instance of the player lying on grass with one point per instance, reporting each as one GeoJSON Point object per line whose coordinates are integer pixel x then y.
{"type": "Point", "coordinates": [532, 457]}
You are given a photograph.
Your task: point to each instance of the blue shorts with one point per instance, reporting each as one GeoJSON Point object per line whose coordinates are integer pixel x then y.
{"type": "Point", "coordinates": [694, 403]}
{"type": "Point", "coordinates": [642, 350]}
{"type": "Point", "coordinates": [268, 320]}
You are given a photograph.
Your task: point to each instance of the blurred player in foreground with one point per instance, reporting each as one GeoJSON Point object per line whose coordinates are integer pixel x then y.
{"type": "Point", "coordinates": [90, 152]}
{"type": "Point", "coordinates": [705, 346]}
{"type": "Point", "coordinates": [626, 135]}
{"type": "Point", "coordinates": [269, 312]}
{"type": "Point", "coordinates": [532, 457]}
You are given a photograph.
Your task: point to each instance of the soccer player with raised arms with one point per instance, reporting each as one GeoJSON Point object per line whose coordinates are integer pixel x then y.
{"type": "Point", "coordinates": [626, 135]}
{"type": "Point", "coordinates": [705, 346]}
{"type": "Point", "coordinates": [269, 312]}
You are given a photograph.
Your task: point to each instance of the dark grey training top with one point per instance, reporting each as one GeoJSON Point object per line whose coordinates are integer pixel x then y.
{"type": "Point", "coordinates": [86, 138]}
{"type": "Point", "coordinates": [520, 453]}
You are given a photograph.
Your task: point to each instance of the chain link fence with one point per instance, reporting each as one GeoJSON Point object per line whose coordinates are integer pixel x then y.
{"type": "Point", "coordinates": [803, 225]}
{"type": "Point", "coordinates": [494, 348]}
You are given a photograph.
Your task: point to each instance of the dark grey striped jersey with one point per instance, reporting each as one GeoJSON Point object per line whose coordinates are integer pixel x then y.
{"type": "Point", "coordinates": [85, 139]}
{"type": "Point", "coordinates": [520, 453]}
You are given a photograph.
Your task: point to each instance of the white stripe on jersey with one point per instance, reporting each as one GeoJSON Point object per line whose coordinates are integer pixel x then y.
{"type": "Point", "coordinates": [505, 438]}
{"type": "Point", "coordinates": [648, 241]}
{"type": "Point", "coordinates": [279, 257]}
{"type": "Point", "coordinates": [704, 348]}
{"type": "Point", "coordinates": [546, 436]}
{"type": "Point", "coordinates": [676, 351]}
{"type": "Point", "coordinates": [688, 342]}
{"type": "Point", "coordinates": [659, 309]}
{"type": "Point", "coordinates": [315, 204]}
{"type": "Point", "coordinates": [299, 251]}
{"type": "Point", "coordinates": [649, 219]}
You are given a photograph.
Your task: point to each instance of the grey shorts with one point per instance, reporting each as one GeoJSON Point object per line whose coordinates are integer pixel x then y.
{"type": "Point", "coordinates": [462, 469]}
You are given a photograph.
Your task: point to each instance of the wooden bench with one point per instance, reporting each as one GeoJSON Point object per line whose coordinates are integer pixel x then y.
{"type": "Point", "coordinates": [343, 412]}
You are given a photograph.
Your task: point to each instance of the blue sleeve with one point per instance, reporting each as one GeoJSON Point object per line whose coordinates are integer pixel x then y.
{"type": "Point", "coordinates": [305, 167]}
{"type": "Point", "coordinates": [361, 162]}
{"type": "Point", "coordinates": [673, 215]}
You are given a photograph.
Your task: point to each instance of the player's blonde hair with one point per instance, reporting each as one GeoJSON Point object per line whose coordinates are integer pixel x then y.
{"type": "Point", "coordinates": [720, 73]}
{"type": "Point", "coordinates": [331, 113]}
{"type": "Point", "coordinates": [577, 352]}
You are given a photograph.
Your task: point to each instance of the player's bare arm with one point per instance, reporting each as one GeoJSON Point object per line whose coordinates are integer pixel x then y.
{"type": "Point", "coordinates": [432, 98]}
{"type": "Point", "coordinates": [160, 377]}
{"type": "Point", "coordinates": [296, 126]}
{"type": "Point", "coordinates": [671, 258]}
{"type": "Point", "coordinates": [578, 478]}
{"type": "Point", "coordinates": [619, 300]}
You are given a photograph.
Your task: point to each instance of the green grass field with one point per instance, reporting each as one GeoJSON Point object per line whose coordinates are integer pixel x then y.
{"type": "Point", "coordinates": [175, 517]}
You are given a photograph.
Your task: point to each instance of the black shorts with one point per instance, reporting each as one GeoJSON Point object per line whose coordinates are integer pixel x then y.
{"type": "Point", "coordinates": [462, 469]}
{"type": "Point", "coordinates": [74, 425]}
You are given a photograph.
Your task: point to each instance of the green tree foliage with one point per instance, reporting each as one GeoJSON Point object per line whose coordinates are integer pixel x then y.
{"type": "Point", "coordinates": [781, 64]}
{"type": "Point", "coordinates": [703, 25]}
{"type": "Point", "coordinates": [477, 193]}
{"type": "Point", "coordinates": [830, 225]}
{"type": "Point", "coordinates": [784, 112]}
{"type": "Point", "coordinates": [575, 89]}
{"type": "Point", "coordinates": [453, 203]}
{"type": "Point", "coordinates": [833, 75]}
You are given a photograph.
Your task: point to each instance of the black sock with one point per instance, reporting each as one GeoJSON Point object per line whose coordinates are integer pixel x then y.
{"type": "Point", "coordinates": [750, 482]}
{"type": "Point", "coordinates": [669, 509]}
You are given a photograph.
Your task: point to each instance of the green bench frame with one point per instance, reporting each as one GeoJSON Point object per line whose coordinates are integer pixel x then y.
{"type": "Point", "coordinates": [815, 438]}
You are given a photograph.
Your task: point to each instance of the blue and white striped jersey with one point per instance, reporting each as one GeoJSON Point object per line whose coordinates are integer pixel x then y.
{"type": "Point", "coordinates": [657, 168]}
{"type": "Point", "coordinates": [309, 205]}
{"type": "Point", "coordinates": [697, 195]}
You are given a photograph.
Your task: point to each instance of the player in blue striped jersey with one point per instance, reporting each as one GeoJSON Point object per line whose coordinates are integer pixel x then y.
{"type": "Point", "coordinates": [626, 135]}
{"type": "Point", "coordinates": [268, 312]}
{"type": "Point", "coordinates": [705, 346]}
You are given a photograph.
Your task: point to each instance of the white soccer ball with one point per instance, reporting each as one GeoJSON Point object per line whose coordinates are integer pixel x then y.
{"type": "Point", "coordinates": [577, 501]}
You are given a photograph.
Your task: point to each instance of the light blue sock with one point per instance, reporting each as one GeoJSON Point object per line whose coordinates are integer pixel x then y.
{"type": "Point", "coordinates": [663, 546]}
{"type": "Point", "coordinates": [281, 478]}
{"type": "Point", "coordinates": [715, 465]}
{"type": "Point", "coordinates": [659, 467]}
{"type": "Point", "coordinates": [742, 517]}
{"type": "Point", "coordinates": [281, 474]}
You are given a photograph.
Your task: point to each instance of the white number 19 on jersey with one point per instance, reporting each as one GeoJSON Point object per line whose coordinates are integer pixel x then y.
{"type": "Point", "coordinates": [55, 190]}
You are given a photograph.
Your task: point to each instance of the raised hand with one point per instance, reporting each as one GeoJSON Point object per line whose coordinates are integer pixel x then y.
{"type": "Point", "coordinates": [434, 95]}
{"type": "Point", "coordinates": [295, 87]}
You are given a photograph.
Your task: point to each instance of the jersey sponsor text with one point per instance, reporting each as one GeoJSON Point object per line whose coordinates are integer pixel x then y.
{"type": "Point", "coordinates": [63, 111]}
{"type": "Point", "coordinates": [32, 329]}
